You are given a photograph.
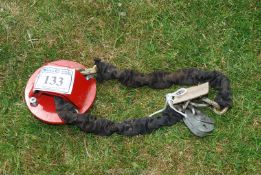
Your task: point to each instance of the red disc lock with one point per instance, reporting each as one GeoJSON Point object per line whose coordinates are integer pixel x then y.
{"type": "Point", "coordinates": [58, 78]}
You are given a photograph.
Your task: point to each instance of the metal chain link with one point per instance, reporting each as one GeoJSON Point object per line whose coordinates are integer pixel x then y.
{"type": "Point", "coordinates": [215, 106]}
{"type": "Point", "coordinates": [89, 71]}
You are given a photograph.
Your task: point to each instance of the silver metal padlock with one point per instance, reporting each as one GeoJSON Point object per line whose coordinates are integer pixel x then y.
{"type": "Point", "coordinates": [198, 123]}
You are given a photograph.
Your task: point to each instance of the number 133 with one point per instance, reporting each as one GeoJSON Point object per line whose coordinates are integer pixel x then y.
{"type": "Point", "coordinates": [53, 80]}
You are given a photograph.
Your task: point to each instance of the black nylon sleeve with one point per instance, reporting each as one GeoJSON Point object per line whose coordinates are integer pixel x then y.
{"type": "Point", "coordinates": [161, 80]}
{"type": "Point", "coordinates": [101, 126]}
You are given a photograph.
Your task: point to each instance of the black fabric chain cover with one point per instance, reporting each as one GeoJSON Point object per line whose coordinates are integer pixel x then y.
{"type": "Point", "coordinates": [101, 126]}
{"type": "Point", "coordinates": [158, 80]}
{"type": "Point", "coordinates": [161, 80]}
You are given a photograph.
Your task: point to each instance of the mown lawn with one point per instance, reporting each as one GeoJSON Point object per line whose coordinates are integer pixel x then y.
{"type": "Point", "coordinates": [145, 36]}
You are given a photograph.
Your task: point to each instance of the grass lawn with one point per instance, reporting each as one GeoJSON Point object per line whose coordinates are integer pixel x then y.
{"type": "Point", "coordinates": [145, 36]}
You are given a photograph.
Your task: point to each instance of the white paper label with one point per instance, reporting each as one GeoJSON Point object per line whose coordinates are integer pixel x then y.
{"type": "Point", "coordinates": [55, 79]}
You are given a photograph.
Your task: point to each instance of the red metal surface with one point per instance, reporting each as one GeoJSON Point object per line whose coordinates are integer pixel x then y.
{"type": "Point", "coordinates": [82, 96]}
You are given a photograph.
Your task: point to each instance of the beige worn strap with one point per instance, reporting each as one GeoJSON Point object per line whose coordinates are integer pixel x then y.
{"type": "Point", "coordinates": [192, 93]}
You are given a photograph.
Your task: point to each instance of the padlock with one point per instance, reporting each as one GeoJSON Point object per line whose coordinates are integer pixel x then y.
{"type": "Point", "coordinates": [199, 124]}
{"type": "Point", "coordinates": [78, 89]}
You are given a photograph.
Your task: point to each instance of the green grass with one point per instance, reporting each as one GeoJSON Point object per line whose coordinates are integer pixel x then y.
{"type": "Point", "coordinates": [142, 35]}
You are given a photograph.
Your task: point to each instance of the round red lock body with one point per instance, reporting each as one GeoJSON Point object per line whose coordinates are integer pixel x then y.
{"type": "Point", "coordinates": [41, 103]}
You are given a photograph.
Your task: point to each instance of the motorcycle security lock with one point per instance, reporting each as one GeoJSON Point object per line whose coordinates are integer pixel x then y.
{"type": "Point", "coordinates": [61, 92]}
